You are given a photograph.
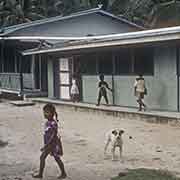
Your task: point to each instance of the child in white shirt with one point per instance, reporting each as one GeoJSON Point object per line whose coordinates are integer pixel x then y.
{"type": "Point", "coordinates": [140, 91]}
{"type": "Point", "coordinates": [74, 91]}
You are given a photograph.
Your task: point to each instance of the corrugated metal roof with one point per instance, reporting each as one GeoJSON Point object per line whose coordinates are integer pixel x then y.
{"type": "Point", "coordinates": [146, 36]}
{"type": "Point", "coordinates": [10, 29]}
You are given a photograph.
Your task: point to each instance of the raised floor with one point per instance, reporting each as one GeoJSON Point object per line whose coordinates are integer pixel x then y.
{"type": "Point", "coordinates": [152, 116]}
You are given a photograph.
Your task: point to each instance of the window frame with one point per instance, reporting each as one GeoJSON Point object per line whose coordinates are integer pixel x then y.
{"type": "Point", "coordinates": [152, 61]}
{"type": "Point", "coordinates": [110, 56]}
{"type": "Point", "coordinates": [83, 58]}
{"type": "Point", "coordinates": [132, 61]}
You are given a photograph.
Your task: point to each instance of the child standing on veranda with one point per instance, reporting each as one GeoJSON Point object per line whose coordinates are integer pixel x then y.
{"type": "Point", "coordinates": [139, 91]}
{"type": "Point", "coordinates": [52, 143]}
{"type": "Point", "coordinates": [74, 91]}
{"type": "Point", "coordinates": [102, 86]}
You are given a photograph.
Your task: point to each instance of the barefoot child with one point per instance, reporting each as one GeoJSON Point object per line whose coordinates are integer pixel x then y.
{"type": "Point", "coordinates": [103, 86]}
{"type": "Point", "coordinates": [139, 91]}
{"type": "Point", "coordinates": [52, 143]}
{"type": "Point", "coordinates": [74, 91]}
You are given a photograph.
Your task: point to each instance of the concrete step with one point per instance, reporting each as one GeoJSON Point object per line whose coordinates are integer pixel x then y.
{"type": "Point", "coordinates": [164, 117]}
{"type": "Point", "coordinates": [22, 103]}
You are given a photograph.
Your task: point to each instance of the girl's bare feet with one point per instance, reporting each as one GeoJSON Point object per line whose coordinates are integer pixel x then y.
{"type": "Point", "coordinates": [62, 176]}
{"type": "Point", "coordinates": [37, 176]}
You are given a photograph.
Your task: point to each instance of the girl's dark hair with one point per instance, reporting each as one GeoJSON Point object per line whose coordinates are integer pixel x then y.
{"type": "Point", "coordinates": [101, 77]}
{"type": "Point", "coordinates": [50, 107]}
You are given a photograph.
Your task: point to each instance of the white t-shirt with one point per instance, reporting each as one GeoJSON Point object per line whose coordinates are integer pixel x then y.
{"type": "Point", "coordinates": [74, 88]}
{"type": "Point", "coordinates": [140, 85]}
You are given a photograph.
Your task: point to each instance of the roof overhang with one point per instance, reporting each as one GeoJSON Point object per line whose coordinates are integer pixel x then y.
{"type": "Point", "coordinates": [124, 39]}
{"type": "Point", "coordinates": [15, 28]}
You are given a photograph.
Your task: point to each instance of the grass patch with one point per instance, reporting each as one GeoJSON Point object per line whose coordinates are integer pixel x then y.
{"type": "Point", "coordinates": [145, 174]}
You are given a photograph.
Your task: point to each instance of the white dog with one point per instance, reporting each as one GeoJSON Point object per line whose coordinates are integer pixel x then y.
{"type": "Point", "coordinates": [114, 137]}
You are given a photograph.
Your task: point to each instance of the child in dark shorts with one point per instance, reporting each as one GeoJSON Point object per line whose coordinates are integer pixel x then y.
{"type": "Point", "coordinates": [52, 143]}
{"type": "Point", "coordinates": [103, 85]}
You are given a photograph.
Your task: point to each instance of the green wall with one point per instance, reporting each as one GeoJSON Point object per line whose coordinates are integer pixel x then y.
{"type": "Point", "coordinates": [162, 86]}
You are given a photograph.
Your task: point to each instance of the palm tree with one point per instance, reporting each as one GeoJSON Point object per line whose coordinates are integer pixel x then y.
{"type": "Point", "coordinates": [63, 7]}
{"type": "Point", "coordinates": [15, 12]}
{"type": "Point", "coordinates": [94, 3]}
{"type": "Point", "coordinates": [148, 13]}
{"type": "Point", "coordinates": [118, 7]}
{"type": "Point", "coordinates": [137, 11]}
{"type": "Point", "coordinates": [165, 13]}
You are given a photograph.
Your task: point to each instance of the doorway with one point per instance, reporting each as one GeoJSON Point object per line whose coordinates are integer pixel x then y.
{"type": "Point", "coordinates": [65, 78]}
{"type": "Point", "coordinates": [76, 73]}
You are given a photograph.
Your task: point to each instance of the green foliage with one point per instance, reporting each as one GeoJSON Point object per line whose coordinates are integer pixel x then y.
{"type": "Point", "coordinates": [16, 12]}
{"type": "Point", "coordinates": [119, 6]}
{"type": "Point", "coordinates": [146, 174]}
{"type": "Point", "coordinates": [148, 13]}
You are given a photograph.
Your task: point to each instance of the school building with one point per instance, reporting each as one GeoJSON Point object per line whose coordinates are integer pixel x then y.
{"type": "Point", "coordinates": [128, 51]}
{"type": "Point", "coordinates": [28, 74]}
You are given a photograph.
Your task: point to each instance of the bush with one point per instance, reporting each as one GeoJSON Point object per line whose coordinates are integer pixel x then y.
{"type": "Point", "coordinates": [145, 174]}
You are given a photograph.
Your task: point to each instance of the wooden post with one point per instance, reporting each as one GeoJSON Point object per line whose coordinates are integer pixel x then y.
{"type": "Point", "coordinates": [21, 78]}
{"type": "Point", "coordinates": [40, 72]}
{"type": "Point", "coordinates": [2, 56]}
{"type": "Point", "coordinates": [15, 60]}
{"type": "Point", "coordinates": [113, 62]}
{"type": "Point", "coordinates": [33, 70]}
{"type": "Point", "coordinates": [177, 69]}
{"type": "Point", "coordinates": [97, 64]}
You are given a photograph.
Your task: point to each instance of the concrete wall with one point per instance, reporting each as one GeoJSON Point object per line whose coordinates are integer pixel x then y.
{"type": "Point", "coordinates": [162, 86]}
{"type": "Point", "coordinates": [28, 81]}
{"type": "Point", "coordinates": [80, 26]}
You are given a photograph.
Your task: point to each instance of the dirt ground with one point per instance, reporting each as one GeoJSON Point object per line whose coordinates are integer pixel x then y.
{"type": "Point", "coordinates": [83, 133]}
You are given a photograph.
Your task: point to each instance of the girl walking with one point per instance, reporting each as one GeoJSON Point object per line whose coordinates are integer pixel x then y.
{"type": "Point", "coordinates": [52, 143]}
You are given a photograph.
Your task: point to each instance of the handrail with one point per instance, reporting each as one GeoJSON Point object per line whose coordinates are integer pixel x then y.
{"type": "Point", "coordinates": [10, 81]}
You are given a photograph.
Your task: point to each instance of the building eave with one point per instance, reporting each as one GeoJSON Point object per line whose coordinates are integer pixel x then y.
{"type": "Point", "coordinates": [148, 36]}
{"type": "Point", "coordinates": [11, 29]}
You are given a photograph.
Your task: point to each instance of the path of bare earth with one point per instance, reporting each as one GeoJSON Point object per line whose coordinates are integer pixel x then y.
{"type": "Point", "coordinates": [83, 133]}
